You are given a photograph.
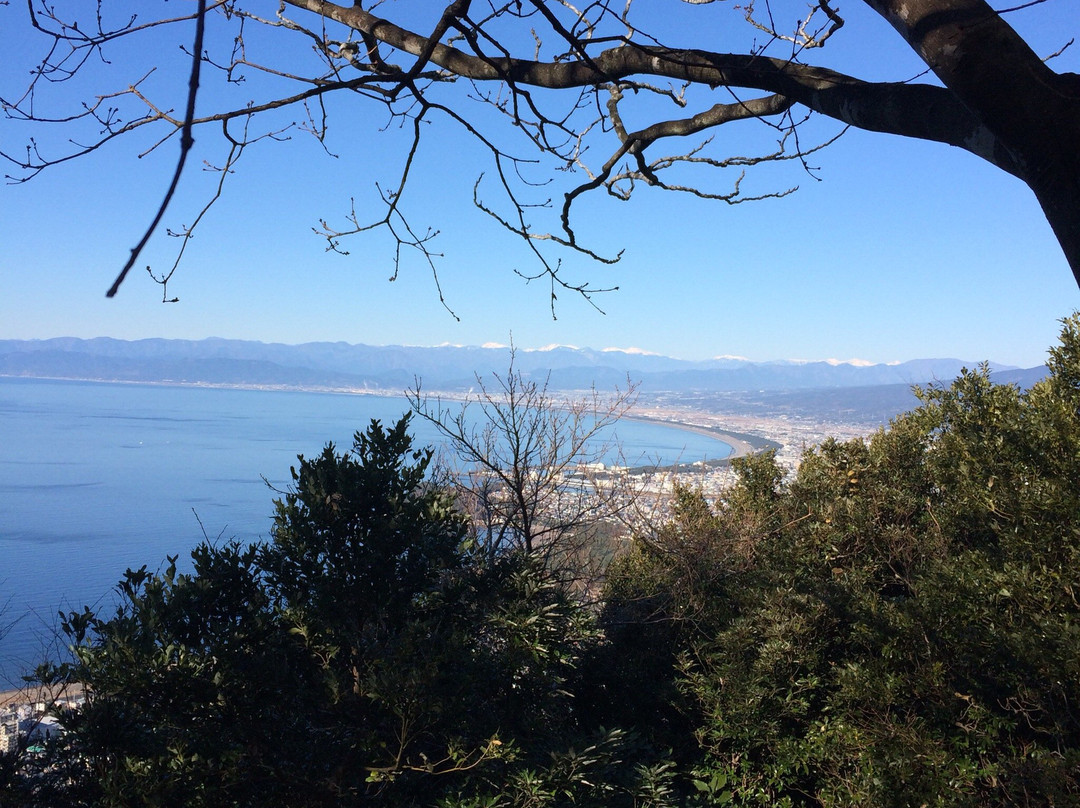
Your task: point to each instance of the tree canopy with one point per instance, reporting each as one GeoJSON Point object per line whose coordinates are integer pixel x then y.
{"type": "Point", "coordinates": [603, 95]}
{"type": "Point", "coordinates": [893, 626]}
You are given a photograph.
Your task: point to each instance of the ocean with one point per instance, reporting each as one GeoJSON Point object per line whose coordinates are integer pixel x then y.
{"type": "Point", "coordinates": [96, 478]}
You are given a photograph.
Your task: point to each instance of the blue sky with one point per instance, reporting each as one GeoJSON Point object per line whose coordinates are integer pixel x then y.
{"type": "Point", "coordinates": [896, 250]}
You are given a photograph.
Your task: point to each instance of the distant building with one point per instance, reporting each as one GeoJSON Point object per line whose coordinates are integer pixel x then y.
{"type": "Point", "coordinates": [9, 729]}
{"type": "Point", "coordinates": [29, 723]}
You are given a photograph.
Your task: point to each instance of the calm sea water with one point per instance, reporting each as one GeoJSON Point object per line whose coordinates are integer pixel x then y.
{"type": "Point", "coordinates": [97, 478]}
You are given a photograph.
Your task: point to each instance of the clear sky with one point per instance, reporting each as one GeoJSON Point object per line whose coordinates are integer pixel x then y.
{"type": "Point", "coordinates": [893, 250]}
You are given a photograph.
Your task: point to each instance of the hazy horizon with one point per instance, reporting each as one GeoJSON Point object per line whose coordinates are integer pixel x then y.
{"type": "Point", "coordinates": [634, 350]}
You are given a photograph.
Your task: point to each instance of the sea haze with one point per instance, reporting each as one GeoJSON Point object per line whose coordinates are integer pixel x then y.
{"type": "Point", "coordinates": [96, 478]}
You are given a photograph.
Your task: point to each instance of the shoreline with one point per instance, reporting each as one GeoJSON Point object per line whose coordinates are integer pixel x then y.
{"type": "Point", "coordinates": [32, 694]}
{"type": "Point", "coordinates": [740, 447]}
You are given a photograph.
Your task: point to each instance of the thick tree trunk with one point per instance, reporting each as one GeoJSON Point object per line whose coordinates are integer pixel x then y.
{"type": "Point", "coordinates": [1054, 176]}
{"type": "Point", "coordinates": [1033, 112]}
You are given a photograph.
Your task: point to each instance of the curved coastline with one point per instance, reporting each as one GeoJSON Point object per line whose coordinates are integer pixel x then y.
{"type": "Point", "coordinates": [739, 447]}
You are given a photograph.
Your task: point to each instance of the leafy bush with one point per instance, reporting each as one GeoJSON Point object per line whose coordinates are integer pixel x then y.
{"type": "Point", "coordinates": [897, 625]}
{"type": "Point", "coordinates": [365, 655]}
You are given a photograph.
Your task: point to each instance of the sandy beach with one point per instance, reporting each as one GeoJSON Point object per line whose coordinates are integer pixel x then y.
{"type": "Point", "coordinates": [31, 695]}
{"type": "Point", "coordinates": [740, 448]}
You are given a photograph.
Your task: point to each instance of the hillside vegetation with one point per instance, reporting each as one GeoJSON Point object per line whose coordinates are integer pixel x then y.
{"type": "Point", "coordinates": [895, 625]}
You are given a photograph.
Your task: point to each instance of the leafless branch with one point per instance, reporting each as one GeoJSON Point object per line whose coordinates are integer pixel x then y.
{"type": "Point", "coordinates": [807, 34]}
{"type": "Point", "coordinates": [186, 142]}
{"type": "Point", "coordinates": [1020, 7]}
{"type": "Point", "coordinates": [599, 99]}
{"type": "Point", "coordinates": [529, 462]}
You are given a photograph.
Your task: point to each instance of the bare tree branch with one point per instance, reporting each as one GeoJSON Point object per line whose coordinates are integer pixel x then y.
{"type": "Point", "coordinates": [585, 91]}
{"type": "Point", "coordinates": [186, 142]}
{"type": "Point", "coordinates": [528, 465]}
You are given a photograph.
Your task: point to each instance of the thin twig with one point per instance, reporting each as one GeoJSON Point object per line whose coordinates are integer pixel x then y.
{"type": "Point", "coordinates": [186, 142]}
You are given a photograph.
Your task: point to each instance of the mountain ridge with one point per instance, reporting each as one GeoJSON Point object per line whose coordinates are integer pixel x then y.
{"type": "Point", "coordinates": [216, 360]}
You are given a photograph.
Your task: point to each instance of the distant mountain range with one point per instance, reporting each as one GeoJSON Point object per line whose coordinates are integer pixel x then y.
{"type": "Point", "coordinates": [338, 365]}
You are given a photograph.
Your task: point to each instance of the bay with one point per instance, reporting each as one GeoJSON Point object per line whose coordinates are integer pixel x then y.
{"type": "Point", "coordinates": [96, 478]}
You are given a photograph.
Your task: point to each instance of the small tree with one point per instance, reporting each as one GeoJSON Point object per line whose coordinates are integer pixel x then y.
{"type": "Point", "coordinates": [529, 464]}
{"type": "Point", "coordinates": [356, 543]}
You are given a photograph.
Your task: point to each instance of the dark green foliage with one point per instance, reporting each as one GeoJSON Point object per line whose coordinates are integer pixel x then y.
{"type": "Point", "coordinates": [359, 546]}
{"type": "Point", "coordinates": [195, 690]}
{"type": "Point", "coordinates": [897, 625]}
{"type": "Point", "coordinates": [364, 656]}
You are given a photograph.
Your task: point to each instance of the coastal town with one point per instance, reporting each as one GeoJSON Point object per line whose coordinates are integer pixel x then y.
{"type": "Point", "coordinates": [788, 436]}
